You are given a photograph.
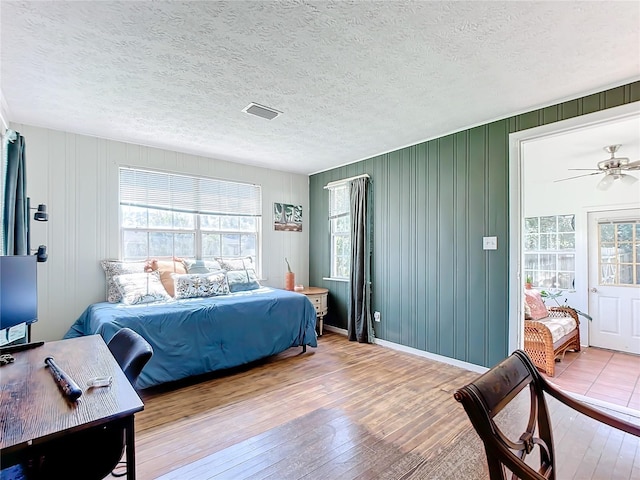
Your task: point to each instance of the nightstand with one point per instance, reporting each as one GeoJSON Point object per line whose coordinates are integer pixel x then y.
{"type": "Point", "coordinates": [318, 297]}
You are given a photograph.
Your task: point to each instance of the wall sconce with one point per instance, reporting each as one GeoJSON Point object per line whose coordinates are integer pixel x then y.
{"type": "Point", "coordinates": [41, 215]}
{"type": "Point", "coordinates": [42, 253]}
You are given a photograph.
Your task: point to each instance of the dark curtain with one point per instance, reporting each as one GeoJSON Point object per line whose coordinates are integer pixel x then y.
{"type": "Point", "coordinates": [360, 327]}
{"type": "Point", "coordinates": [15, 214]}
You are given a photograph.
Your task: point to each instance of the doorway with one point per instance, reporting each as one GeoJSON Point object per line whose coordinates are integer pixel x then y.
{"type": "Point", "coordinates": [541, 156]}
{"type": "Point", "coordinates": [614, 283]}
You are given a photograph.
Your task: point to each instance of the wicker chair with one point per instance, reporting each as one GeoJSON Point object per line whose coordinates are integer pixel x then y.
{"type": "Point", "coordinates": [539, 344]}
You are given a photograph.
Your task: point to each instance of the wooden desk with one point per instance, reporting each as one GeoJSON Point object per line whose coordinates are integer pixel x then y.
{"type": "Point", "coordinates": [318, 296]}
{"type": "Point", "coordinates": [33, 411]}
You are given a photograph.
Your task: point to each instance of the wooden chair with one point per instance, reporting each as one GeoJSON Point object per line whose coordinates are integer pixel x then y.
{"type": "Point", "coordinates": [485, 397]}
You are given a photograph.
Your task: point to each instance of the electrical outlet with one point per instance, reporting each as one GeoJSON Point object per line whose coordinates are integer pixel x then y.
{"type": "Point", "coordinates": [376, 316]}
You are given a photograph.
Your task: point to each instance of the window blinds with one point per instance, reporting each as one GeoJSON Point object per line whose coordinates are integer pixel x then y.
{"type": "Point", "coordinates": [339, 201]}
{"type": "Point", "coordinates": [167, 191]}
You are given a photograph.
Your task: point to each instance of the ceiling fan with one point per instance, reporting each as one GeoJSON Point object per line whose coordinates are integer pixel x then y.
{"type": "Point", "coordinates": [612, 168]}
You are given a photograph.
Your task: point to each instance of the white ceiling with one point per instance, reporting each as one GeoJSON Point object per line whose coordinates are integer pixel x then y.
{"type": "Point", "coordinates": [353, 79]}
{"type": "Point", "coordinates": [554, 157]}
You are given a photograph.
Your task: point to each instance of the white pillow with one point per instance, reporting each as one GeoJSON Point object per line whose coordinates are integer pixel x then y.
{"type": "Point", "coordinates": [112, 268]}
{"type": "Point", "coordinates": [201, 266]}
{"type": "Point", "coordinates": [235, 263]}
{"type": "Point", "coordinates": [192, 285]}
{"type": "Point", "coordinates": [137, 288]}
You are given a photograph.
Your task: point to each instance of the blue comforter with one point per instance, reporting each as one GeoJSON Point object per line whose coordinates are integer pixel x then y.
{"type": "Point", "coordinates": [199, 335]}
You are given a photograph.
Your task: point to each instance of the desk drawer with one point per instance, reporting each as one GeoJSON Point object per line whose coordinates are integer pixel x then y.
{"type": "Point", "coordinates": [319, 301]}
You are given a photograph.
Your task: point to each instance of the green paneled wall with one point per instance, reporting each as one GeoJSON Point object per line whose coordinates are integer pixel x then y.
{"type": "Point", "coordinates": [435, 287]}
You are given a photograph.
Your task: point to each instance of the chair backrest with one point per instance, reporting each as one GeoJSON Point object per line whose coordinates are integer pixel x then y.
{"type": "Point", "coordinates": [131, 351]}
{"type": "Point", "coordinates": [485, 397]}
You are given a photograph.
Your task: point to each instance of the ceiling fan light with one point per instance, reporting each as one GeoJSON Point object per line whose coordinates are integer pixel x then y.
{"type": "Point", "coordinates": [628, 179]}
{"type": "Point", "coordinates": [605, 183]}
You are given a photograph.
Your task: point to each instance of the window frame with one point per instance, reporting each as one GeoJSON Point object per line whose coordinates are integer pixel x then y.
{"type": "Point", "coordinates": [617, 266]}
{"type": "Point", "coordinates": [553, 255]}
{"type": "Point", "coordinates": [337, 214]}
{"type": "Point", "coordinates": [197, 230]}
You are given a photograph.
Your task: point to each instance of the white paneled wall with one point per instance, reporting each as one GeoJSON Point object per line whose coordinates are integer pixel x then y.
{"type": "Point", "coordinates": [77, 177]}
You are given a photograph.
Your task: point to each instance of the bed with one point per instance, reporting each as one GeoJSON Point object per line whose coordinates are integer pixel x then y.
{"type": "Point", "coordinates": [199, 335]}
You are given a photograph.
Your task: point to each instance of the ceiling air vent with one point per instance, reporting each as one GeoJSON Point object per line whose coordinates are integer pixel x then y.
{"type": "Point", "coordinates": [261, 111]}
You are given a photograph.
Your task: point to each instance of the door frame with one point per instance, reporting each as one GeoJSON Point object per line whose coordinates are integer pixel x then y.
{"type": "Point", "coordinates": [516, 181]}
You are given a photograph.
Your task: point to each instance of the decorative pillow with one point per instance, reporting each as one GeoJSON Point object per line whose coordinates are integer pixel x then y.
{"type": "Point", "coordinates": [202, 266]}
{"type": "Point", "coordinates": [115, 267]}
{"type": "Point", "coordinates": [527, 311]}
{"type": "Point", "coordinates": [139, 288]}
{"type": "Point", "coordinates": [534, 300]}
{"type": "Point", "coordinates": [193, 285]}
{"type": "Point", "coordinates": [165, 268]}
{"type": "Point", "coordinates": [237, 263]}
{"type": "Point", "coordinates": [242, 280]}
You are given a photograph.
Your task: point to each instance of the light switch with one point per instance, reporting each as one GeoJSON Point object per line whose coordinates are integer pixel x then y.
{"type": "Point", "coordinates": [489, 243]}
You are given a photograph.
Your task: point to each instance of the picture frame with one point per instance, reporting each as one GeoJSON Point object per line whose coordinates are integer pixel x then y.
{"type": "Point", "coordinates": [287, 217]}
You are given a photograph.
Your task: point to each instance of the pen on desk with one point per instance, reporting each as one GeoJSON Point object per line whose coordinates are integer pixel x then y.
{"type": "Point", "coordinates": [69, 388]}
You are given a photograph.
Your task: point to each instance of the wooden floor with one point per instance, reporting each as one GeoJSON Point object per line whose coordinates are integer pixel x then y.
{"type": "Point", "coordinates": [342, 410]}
{"type": "Point", "coordinates": [612, 377]}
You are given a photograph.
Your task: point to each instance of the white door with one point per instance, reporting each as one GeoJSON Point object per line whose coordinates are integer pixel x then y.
{"type": "Point", "coordinates": [614, 280]}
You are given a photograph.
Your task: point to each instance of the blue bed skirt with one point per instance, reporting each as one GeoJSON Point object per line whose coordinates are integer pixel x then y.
{"type": "Point", "coordinates": [199, 335]}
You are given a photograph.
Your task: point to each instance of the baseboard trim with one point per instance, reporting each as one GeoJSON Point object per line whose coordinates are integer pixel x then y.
{"type": "Point", "coordinates": [421, 353]}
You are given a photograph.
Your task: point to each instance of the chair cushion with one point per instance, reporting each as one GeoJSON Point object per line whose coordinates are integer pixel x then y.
{"type": "Point", "coordinates": [534, 300]}
{"type": "Point", "coordinates": [559, 326]}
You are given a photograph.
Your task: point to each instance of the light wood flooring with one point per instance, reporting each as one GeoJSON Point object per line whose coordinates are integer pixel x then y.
{"type": "Point", "coordinates": [343, 410]}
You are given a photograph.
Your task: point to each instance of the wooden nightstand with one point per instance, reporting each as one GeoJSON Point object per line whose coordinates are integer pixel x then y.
{"type": "Point", "coordinates": [318, 297]}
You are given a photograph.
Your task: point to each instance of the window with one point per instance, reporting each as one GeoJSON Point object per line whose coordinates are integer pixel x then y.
{"type": "Point", "coordinates": [619, 253]}
{"type": "Point", "coordinates": [166, 215]}
{"type": "Point", "coordinates": [340, 220]}
{"type": "Point", "coordinates": [549, 251]}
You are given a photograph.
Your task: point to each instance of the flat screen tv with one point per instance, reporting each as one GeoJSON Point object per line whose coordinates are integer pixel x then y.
{"type": "Point", "coordinates": [18, 290]}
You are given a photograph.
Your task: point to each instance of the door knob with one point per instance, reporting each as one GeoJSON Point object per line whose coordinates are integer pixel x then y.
{"type": "Point", "coordinates": [593, 289]}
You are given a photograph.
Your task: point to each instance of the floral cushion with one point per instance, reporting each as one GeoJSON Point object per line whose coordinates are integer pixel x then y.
{"type": "Point", "coordinates": [535, 303]}
{"type": "Point", "coordinates": [137, 288]}
{"type": "Point", "coordinates": [193, 285]}
{"type": "Point", "coordinates": [113, 268]}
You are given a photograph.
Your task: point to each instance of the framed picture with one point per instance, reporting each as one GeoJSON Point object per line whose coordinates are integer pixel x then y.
{"type": "Point", "coordinates": [287, 218]}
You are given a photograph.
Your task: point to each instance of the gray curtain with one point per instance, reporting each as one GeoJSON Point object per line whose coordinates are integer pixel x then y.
{"type": "Point", "coordinates": [360, 327]}
{"type": "Point", "coordinates": [15, 213]}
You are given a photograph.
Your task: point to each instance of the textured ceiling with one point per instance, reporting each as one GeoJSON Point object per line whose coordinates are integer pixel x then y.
{"type": "Point", "coordinates": [353, 79]}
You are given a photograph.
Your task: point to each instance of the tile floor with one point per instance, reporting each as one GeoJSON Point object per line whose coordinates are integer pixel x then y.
{"type": "Point", "coordinates": [602, 374]}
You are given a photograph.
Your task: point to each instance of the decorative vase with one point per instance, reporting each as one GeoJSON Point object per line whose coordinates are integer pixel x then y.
{"type": "Point", "coordinates": [289, 280]}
